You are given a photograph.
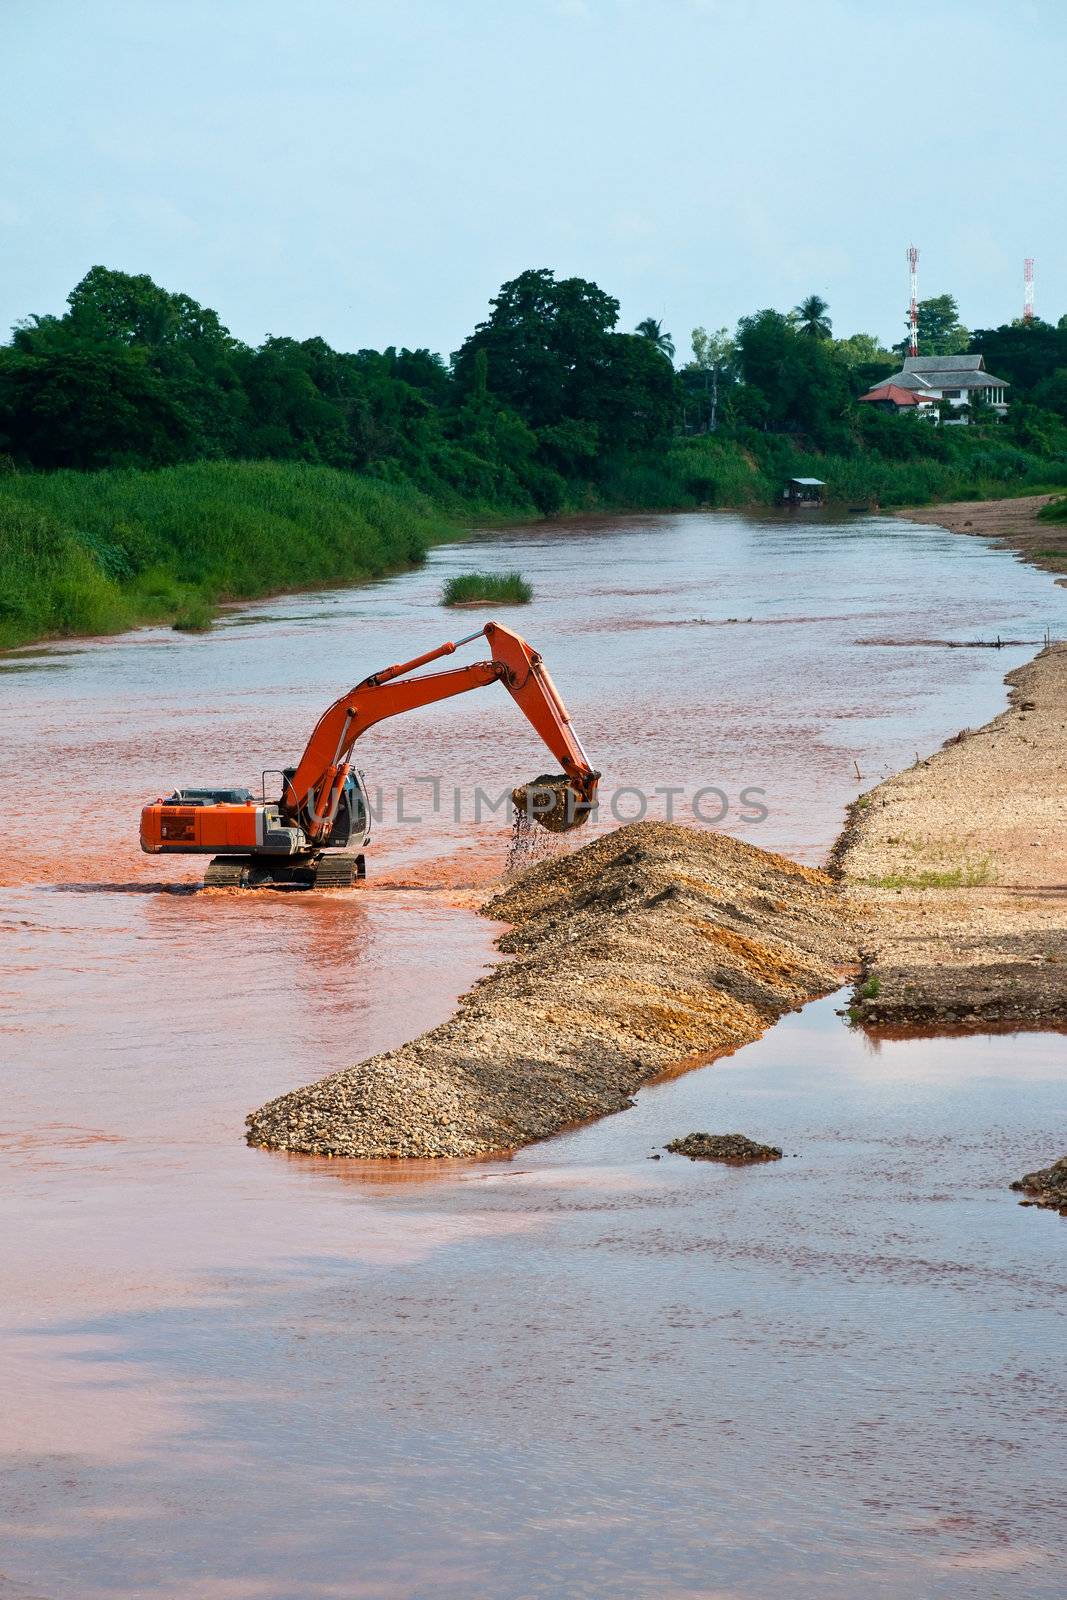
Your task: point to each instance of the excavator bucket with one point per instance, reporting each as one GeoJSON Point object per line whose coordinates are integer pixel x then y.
{"type": "Point", "coordinates": [553, 801]}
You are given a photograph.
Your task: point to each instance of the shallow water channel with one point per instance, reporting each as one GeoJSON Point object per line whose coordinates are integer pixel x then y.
{"type": "Point", "coordinates": [581, 1372]}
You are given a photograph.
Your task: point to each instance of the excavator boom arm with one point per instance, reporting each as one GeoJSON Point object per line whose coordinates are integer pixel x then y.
{"type": "Point", "coordinates": [313, 789]}
{"type": "Point", "coordinates": [530, 685]}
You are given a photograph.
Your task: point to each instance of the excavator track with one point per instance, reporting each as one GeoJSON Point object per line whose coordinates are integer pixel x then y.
{"type": "Point", "coordinates": [332, 871]}
{"type": "Point", "coordinates": [338, 871]}
{"type": "Point", "coordinates": [227, 872]}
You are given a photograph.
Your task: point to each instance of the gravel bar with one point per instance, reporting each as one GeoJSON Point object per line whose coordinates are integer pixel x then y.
{"type": "Point", "coordinates": [651, 946]}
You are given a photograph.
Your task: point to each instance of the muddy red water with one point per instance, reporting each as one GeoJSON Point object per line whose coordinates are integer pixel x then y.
{"type": "Point", "coordinates": [233, 1374]}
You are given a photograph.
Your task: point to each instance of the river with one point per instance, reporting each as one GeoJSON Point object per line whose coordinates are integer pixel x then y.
{"type": "Point", "coordinates": [233, 1374]}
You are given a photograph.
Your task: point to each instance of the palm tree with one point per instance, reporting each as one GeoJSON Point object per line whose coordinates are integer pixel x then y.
{"type": "Point", "coordinates": [652, 330]}
{"type": "Point", "coordinates": [810, 317]}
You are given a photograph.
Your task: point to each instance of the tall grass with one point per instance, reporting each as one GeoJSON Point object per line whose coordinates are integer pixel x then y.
{"type": "Point", "coordinates": [477, 588]}
{"type": "Point", "coordinates": [96, 552]}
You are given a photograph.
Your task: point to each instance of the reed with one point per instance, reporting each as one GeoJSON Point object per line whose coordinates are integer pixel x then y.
{"type": "Point", "coordinates": [487, 588]}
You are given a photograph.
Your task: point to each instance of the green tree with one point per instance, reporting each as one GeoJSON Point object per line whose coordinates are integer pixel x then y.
{"type": "Point", "coordinates": [803, 387]}
{"type": "Point", "coordinates": [810, 317]}
{"type": "Point", "coordinates": [545, 344]}
{"type": "Point", "coordinates": [862, 349]}
{"type": "Point", "coordinates": [634, 401]}
{"type": "Point", "coordinates": [1051, 393]}
{"type": "Point", "coordinates": [552, 356]}
{"type": "Point", "coordinates": [712, 364]}
{"type": "Point", "coordinates": [1025, 353]}
{"type": "Point", "coordinates": [570, 447]}
{"type": "Point", "coordinates": [864, 360]}
{"type": "Point", "coordinates": [941, 333]}
{"type": "Point", "coordinates": [1038, 430]}
{"type": "Point", "coordinates": [92, 408]}
{"type": "Point", "coordinates": [652, 330]}
{"type": "Point", "coordinates": [118, 308]}
{"type": "Point", "coordinates": [183, 343]}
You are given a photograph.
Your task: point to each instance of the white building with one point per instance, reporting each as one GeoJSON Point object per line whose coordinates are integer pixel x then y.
{"type": "Point", "coordinates": [956, 379]}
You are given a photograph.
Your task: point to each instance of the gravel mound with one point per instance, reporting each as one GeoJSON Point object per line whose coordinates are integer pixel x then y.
{"type": "Point", "coordinates": [1047, 1187]}
{"type": "Point", "coordinates": [650, 946]}
{"type": "Point", "coordinates": [723, 1147]}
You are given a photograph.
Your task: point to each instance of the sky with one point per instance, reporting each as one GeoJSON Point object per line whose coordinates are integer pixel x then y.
{"type": "Point", "coordinates": [372, 170]}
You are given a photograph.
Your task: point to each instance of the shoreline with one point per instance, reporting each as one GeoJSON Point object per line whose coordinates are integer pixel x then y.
{"type": "Point", "coordinates": [1012, 523]}
{"type": "Point", "coordinates": [1008, 520]}
{"type": "Point", "coordinates": [955, 870]}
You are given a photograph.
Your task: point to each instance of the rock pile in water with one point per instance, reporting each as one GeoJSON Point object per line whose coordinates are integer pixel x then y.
{"type": "Point", "coordinates": [1046, 1187]}
{"type": "Point", "coordinates": [723, 1147]}
{"type": "Point", "coordinates": [652, 945]}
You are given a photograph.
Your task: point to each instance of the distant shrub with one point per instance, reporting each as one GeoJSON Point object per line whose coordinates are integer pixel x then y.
{"type": "Point", "coordinates": [476, 588]}
{"type": "Point", "coordinates": [195, 617]}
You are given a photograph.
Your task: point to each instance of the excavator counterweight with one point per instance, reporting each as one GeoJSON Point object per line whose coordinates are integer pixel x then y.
{"type": "Point", "coordinates": [314, 833]}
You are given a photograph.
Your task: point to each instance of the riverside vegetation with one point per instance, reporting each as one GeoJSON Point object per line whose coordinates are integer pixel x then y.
{"type": "Point", "coordinates": [485, 588]}
{"type": "Point", "coordinates": [151, 464]}
{"type": "Point", "coordinates": [98, 552]}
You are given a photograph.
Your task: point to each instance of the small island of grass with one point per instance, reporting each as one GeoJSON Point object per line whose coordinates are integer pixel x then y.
{"type": "Point", "coordinates": [487, 589]}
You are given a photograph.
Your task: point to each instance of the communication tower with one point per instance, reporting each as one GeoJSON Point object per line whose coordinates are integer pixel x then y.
{"type": "Point", "coordinates": [913, 265]}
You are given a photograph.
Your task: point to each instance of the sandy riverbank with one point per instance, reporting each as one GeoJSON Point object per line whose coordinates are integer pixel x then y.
{"type": "Point", "coordinates": [955, 870]}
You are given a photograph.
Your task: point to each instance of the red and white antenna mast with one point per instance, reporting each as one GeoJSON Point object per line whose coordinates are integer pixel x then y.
{"type": "Point", "coordinates": [1028, 289]}
{"type": "Point", "coordinates": [913, 264]}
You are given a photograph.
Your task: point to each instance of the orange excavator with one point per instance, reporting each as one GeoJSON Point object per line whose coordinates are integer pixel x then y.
{"type": "Point", "coordinates": [314, 834]}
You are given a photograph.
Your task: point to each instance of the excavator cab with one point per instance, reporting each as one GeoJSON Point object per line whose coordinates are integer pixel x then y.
{"type": "Point", "coordinates": [351, 821]}
{"type": "Point", "coordinates": [351, 827]}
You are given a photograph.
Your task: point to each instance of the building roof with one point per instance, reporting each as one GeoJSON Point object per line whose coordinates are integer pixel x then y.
{"type": "Point", "coordinates": [926, 364]}
{"type": "Point", "coordinates": [894, 392]}
{"type": "Point", "coordinates": [968, 380]}
{"type": "Point", "coordinates": [938, 378]}
{"type": "Point", "coordinates": [810, 483]}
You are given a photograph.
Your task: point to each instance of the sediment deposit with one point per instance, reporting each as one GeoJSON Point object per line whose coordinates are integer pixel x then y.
{"type": "Point", "coordinates": [658, 945]}
{"type": "Point", "coordinates": [651, 946]}
{"type": "Point", "coordinates": [736, 1148]}
{"type": "Point", "coordinates": [956, 872]}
